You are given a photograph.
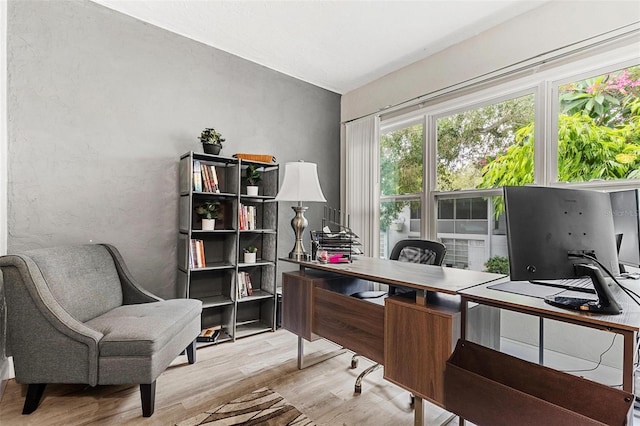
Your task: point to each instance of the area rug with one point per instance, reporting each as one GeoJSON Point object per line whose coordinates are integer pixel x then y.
{"type": "Point", "coordinates": [261, 407]}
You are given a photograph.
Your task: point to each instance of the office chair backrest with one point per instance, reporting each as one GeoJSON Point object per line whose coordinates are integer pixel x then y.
{"type": "Point", "coordinates": [419, 251]}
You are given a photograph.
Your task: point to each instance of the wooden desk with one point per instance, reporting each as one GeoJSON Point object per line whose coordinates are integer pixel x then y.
{"type": "Point", "coordinates": [627, 323]}
{"type": "Point", "coordinates": [412, 339]}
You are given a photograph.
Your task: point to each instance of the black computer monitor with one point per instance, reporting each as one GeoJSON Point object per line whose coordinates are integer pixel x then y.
{"type": "Point", "coordinates": [625, 206]}
{"type": "Point", "coordinates": [553, 232]}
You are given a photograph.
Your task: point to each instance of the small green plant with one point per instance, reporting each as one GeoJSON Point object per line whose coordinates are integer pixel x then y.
{"type": "Point", "coordinates": [497, 265]}
{"type": "Point", "coordinates": [252, 175]}
{"type": "Point", "coordinates": [209, 210]}
{"type": "Point", "coordinates": [209, 136]}
{"type": "Point", "coordinates": [251, 249]}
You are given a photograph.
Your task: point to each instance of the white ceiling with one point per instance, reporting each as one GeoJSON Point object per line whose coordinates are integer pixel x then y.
{"type": "Point", "coordinates": [337, 45]}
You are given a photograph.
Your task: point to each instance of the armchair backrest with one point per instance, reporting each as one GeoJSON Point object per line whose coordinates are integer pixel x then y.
{"type": "Point", "coordinates": [83, 279]}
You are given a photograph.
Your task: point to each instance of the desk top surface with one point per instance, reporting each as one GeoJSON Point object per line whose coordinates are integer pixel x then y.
{"type": "Point", "coordinates": [628, 320]}
{"type": "Point", "coordinates": [415, 275]}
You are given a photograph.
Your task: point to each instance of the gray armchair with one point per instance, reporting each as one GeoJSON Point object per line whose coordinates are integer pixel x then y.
{"type": "Point", "coordinates": [75, 315]}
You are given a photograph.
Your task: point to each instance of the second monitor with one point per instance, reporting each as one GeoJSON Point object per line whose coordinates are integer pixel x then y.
{"type": "Point", "coordinates": [556, 233]}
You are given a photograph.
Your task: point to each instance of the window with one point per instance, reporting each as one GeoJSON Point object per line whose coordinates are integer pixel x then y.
{"type": "Point", "coordinates": [599, 127]}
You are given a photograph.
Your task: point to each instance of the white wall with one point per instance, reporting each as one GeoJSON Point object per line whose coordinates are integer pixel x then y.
{"type": "Point", "coordinates": [554, 25]}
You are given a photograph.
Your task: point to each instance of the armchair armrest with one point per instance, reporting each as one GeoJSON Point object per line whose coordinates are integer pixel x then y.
{"type": "Point", "coordinates": [132, 292]}
{"type": "Point", "coordinates": [38, 307]}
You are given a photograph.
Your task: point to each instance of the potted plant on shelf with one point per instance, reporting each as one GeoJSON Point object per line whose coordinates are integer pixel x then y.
{"type": "Point", "coordinates": [253, 176]}
{"type": "Point", "coordinates": [209, 211]}
{"type": "Point", "coordinates": [211, 141]}
{"type": "Point", "coordinates": [250, 253]}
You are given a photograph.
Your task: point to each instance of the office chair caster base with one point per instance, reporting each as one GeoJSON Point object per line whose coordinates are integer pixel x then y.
{"type": "Point", "coordinates": [358, 386]}
{"type": "Point", "coordinates": [354, 361]}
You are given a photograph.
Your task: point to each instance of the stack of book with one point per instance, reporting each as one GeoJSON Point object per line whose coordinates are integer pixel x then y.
{"type": "Point", "coordinates": [244, 285]}
{"type": "Point", "coordinates": [205, 177]}
{"type": "Point", "coordinates": [247, 217]}
{"type": "Point", "coordinates": [209, 334]}
{"type": "Point", "coordinates": [196, 254]}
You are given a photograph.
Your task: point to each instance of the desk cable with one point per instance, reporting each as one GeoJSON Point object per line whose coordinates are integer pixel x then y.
{"type": "Point", "coordinates": [599, 360]}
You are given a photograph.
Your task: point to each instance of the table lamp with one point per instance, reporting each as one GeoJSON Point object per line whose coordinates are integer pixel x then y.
{"type": "Point", "coordinates": [300, 184]}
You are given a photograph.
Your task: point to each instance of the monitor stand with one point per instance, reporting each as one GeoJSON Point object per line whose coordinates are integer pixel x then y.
{"type": "Point", "coordinates": [605, 304]}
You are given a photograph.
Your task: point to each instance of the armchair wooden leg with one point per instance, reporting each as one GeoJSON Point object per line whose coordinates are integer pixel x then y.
{"type": "Point", "coordinates": [148, 397]}
{"type": "Point", "coordinates": [34, 394]}
{"type": "Point", "coordinates": [191, 352]}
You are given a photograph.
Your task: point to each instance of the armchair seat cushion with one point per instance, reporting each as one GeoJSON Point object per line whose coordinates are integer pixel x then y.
{"type": "Point", "coordinates": [142, 330]}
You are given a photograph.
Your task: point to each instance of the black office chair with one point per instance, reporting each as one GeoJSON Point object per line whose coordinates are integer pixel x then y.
{"type": "Point", "coordinates": [411, 250]}
{"type": "Point", "coordinates": [427, 252]}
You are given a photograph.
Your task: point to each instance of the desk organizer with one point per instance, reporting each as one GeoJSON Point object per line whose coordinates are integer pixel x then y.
{"type": "Point", "coordinates": [488, 387]}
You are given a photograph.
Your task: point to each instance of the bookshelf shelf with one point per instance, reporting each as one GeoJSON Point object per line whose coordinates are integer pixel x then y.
{"type": "Point", "coordinates": [211, 264]}
{"type": "Point", "coordinates": [250, 328]}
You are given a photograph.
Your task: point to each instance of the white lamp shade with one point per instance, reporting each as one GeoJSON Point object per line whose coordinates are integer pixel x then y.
{"type": "Point", "coordinates": [300, 183]}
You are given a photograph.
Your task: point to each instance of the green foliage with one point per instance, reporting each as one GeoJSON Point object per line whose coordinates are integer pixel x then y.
{"type": "Point", "coordinates": [588, 151]}
{"type": "Point", "coordinates": [252, 175]}
{"type": "Point", "coordinates": [211, 137]}
{"type": "Point", "coordinates": [497, 265]}
{"type": "Point", "coordinates": [251, 249]}
{"type": "Point", "coordinates": [605, 98]}
{"type": "Point", "coordinates": [467, 139]}
{"type": "Point", "coordinates": [401, 169]}
{"type": "Point", "coordinates": [208, 210]}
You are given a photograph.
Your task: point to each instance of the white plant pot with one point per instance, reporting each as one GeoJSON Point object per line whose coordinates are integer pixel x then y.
{"type": "Point", "coordinates": [250, 258]}
{"type": "Point", "coordinates": [208, 224]}
{"type": "Point", "coordinates": [252, 190]}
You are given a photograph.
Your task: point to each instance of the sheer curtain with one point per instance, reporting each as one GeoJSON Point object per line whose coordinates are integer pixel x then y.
{"type": "Point", "coordinates": [362, 183]}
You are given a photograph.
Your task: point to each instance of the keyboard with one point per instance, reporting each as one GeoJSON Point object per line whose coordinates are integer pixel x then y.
{"type": "Point", "coordinates": [584, 285]}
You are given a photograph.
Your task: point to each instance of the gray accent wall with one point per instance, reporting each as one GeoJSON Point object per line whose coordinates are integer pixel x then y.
{"type": "Point", "coordinates": [101, 106]}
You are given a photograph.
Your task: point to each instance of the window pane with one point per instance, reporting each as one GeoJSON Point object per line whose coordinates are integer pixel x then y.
{"type": "Point", "coordinates": [445, 209]}
{"type": "Point", "coordinates": [463, 208]}
{"type": "Point", "coordinates": [475, 234]}
{"type": "Point", "coordinates": [478, 208]}
{"type": "Point", "coordinates": [599, 127]}
{"type": "Point", "coordinates": [401, 161]}
{"type": "Point", "coordinates": [487, 147]}
{"type": "Point", "coordinates": [399, 220]}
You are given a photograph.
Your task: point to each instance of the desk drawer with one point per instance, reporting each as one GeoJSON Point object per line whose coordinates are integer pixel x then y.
{"type": "Point", "coordinates": [356, 324]}
{"type": "Point", "coordinates": [419, 340]}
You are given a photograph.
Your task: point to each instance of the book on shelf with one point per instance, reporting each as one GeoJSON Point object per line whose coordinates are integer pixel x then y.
{"type": "Point", "coordinates": [209, 178]}
{"type": "Point", "coordinates": [209, 334]}
{"type": "Point", "coordinates": [244, 285]}
{"type": "Point", "coordinates": [196, 254]}
{"type": "Point", "coordinates": [247, 217]}
{"type": "Point", "coordinates": [247, 282]}
{"type": "Point", "coordinates": [206, 178]}
{"type": "Point", "coordinates": [197, 176]}
{"type": "Point", "coordinates": [215, 185]}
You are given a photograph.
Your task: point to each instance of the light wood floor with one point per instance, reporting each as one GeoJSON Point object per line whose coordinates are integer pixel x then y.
{"type": "Point", "coordinates": [324, 392]}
